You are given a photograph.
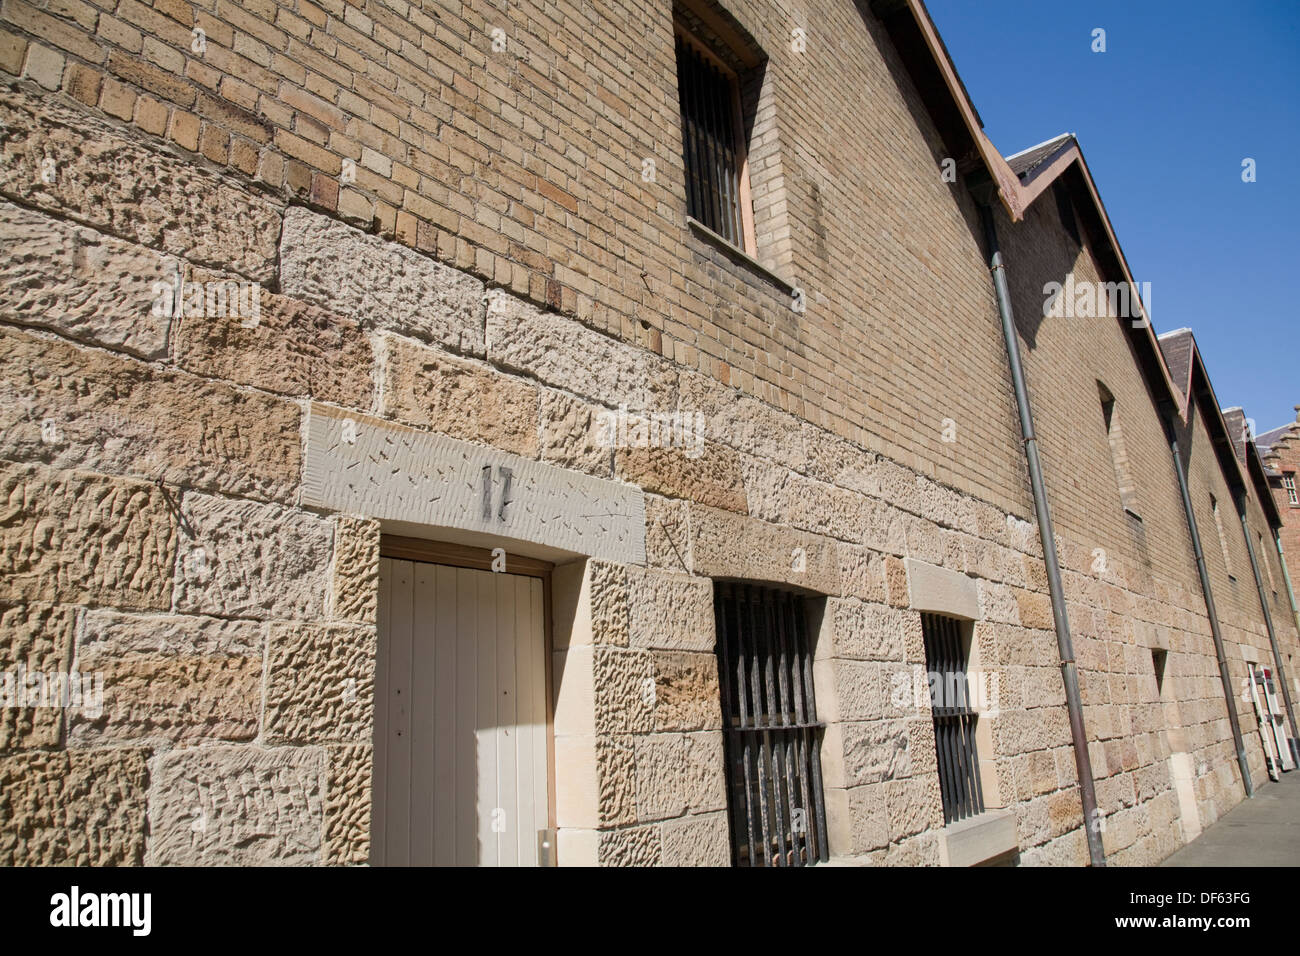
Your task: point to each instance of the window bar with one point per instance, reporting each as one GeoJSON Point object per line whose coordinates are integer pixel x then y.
{"type": "Point", "coordinates": [755, 689]}
{"type": "Point", "coordinates": [793, 713]}
{"type": "Point", "coordinates": [958, 684]}
{"type": "Point", "coordinates": [688, 82]}
{"type": "Point", "coordinates": [735, 755]}
{"type": "Point", "coordinates": [775, 743]}
{"type": "Point", "coordinates": [814, 736]}
{"type": "Point", "coordinates": [716, 114]}
{"type": "Point", "coordinates": [752, 804]}
{"type": "Point", "coordinates": [709, 163]}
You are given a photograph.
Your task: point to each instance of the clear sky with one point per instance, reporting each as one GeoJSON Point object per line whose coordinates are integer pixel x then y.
{"type": "Point", "coordinates": [1184, 92]}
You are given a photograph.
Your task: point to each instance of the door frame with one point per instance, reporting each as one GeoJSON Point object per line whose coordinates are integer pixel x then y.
{"type": "Point", "coordinates": [403, 548]}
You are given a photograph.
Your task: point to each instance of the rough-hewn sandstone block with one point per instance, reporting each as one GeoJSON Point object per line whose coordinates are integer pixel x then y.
{"type": "Point", "coordinates": [624, 691]}
{"type": "Point", "coordinates": [616, 780]}
{"type": "Point", "coordinates": [667, 534]}
{"type": "Point", "coordinates": [112, 182]}
{"type": "Point", "coordinates": [866, 690]}
{"type": "Point", "coordinates": [744, 422]}
{"type": "Point", "coordinates": [713, 478]}
{"type": "Point", "coordinates": [727, 545]}
{"type": "Point", "coordinates": [245, 559]}
{"type": "Point", "coordinates": [83, 808]}
{"type": "Point", "coordinates": [236, 806]}
{"type": "Point", "coordinates": [913, 805]}
{"type": "Point", "coordinates": [81, 283]}
{"type": "Point", "coordinates": [609, 603]}
{"type": "Point", "coordinates": [631, 846]}
{"type": "Point", "coordinates": [356, 569]}
{"type": "Point", "coordinates": [869, 816]}
{"type": "Point", "coordinates": [862, 574]}
{"type": "Point", "coordinates": [565, 353]}
{"type": "Point", "coordinates": [875, 750]}
{"type": "Point", "coordinates": [38, 639]}
{"type": "Point", "coordinates": [169, 679]}
{"type": "Point", "coordinates": [381, 284]}
{"type": "Point", "coordinates": [871, 632]}
{"type": "Point", "coordinates": [425, 387]}
{"type": "Point", "coordinates": [696, 840]}
{"type": "Point", "coordinates": [347, 805]}
{"type": "Point", "coordinates": [320, 683]}
{"type": "Point", "coordinates": [572, 435]}
{"type": "Point", "coordinates": [292, 348]}
{"type": "Point", "coordinates": [78, 408]}
{"type": "Point", "coordinates": [679, 773]}
{"type": "Point", "coordinates": [670, 611]}
{"type": "Point", "coordinates": [78, 538]}
{"type": "Point", "coordinates": [686, 691]}
{"type": "Point", "coordinates": [840, 462]}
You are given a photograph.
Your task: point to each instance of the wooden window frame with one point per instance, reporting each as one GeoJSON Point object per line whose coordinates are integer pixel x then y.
{"type": "Point", "coordinates": [1288, 485]}
{"type": "Point", "coordinates": [741, 146]}
{"type": "Point", "coordinates": [402, 548]}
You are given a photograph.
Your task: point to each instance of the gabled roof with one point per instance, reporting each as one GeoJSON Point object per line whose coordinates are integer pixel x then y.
{"type": "Point", "coordinates": [1021, 178]}
{"type": "Point", "coordinates": [1239, 460]}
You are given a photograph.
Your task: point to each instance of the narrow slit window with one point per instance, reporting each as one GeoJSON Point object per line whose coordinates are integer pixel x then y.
{"type": "Point", "coordinates": [1223, 538]}
{"type": "Point", "coordinates": [947, 652]}
{"type": "Point", "coordinates": [1118, 452]}
{"type": "Point", "coordinates": [771, 734]}
{"type": "Point", "coordinates": [1268, 567]}
{"type": "Point", "coordinates": [1158, 660]}
{"type": "Point", "coordinates": [713, 143]}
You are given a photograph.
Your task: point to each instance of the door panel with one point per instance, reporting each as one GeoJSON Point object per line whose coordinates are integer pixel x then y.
{"type": "Point", "coordinates": [460, 717]}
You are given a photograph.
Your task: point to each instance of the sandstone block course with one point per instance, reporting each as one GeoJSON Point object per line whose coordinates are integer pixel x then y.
{"type": "Point", "coordinates": [236, 806]}
{"type": "Point", "coordinates": [79, 808]}
{"type": "Point", "coordinates": [245, 559]}
{"type": "Point", "coordinates": [112, 182]}
{"type": "Point", "coordinates": [292, 348]}
{"type": "Point", "coordinates": [81, 283]}
{"type": "Point", "coordinates": [37, 638]}
{"type": "Point", "coordinates": [469, 401]}
{"type": "Point", "coordinates": [78, 409]}
{"type": "Point", "coordinates": [79, 538]}
{"type": "Point", "coordinates": [378, 283]}
{"type": "Point", "coordinates": [320, 683]}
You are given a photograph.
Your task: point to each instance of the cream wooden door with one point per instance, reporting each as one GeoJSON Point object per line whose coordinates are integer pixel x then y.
{"type": "Point", "coordinates": [460, 774]}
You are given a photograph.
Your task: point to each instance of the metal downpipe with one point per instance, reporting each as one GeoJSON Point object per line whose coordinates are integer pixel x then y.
{"type": "Point", "coordinates": [1268, 616]}
{"type": "Point", "coordinates": [1228, 695]}
{"type": "Point", "coordinates": [1069, 673]}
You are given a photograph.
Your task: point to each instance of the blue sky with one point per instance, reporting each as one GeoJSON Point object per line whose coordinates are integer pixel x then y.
{"type": "Point", "coordinates": [1183, 93]}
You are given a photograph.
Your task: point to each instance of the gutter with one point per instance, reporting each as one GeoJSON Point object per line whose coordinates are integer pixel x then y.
{"type": "Point", "coordinates": [1268, 616]}
{"type": "Point", "coordinates": [1208, 593]}
{"type": "Point", "coordinates": [1065, 646]}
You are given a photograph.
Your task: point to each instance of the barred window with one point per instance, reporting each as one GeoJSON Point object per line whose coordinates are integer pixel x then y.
{"type": "Point", "coordinates": [772, 737]}
{"type": "Point", "coordinates": [946, 655]}
{"type": "Point", "coordinates": [713, 141]}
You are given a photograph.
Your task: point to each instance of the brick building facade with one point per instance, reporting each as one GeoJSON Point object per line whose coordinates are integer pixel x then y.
{"type": "Point", "coordinates": [467, 284]}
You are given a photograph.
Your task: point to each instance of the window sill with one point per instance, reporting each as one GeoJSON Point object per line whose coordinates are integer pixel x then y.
{"type": "Point", "coordinates": [978, 839]}
{"type": "Point", "coordinates": [738, 254]}
{"type": "Point", "coordinates": [1132, 514]}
